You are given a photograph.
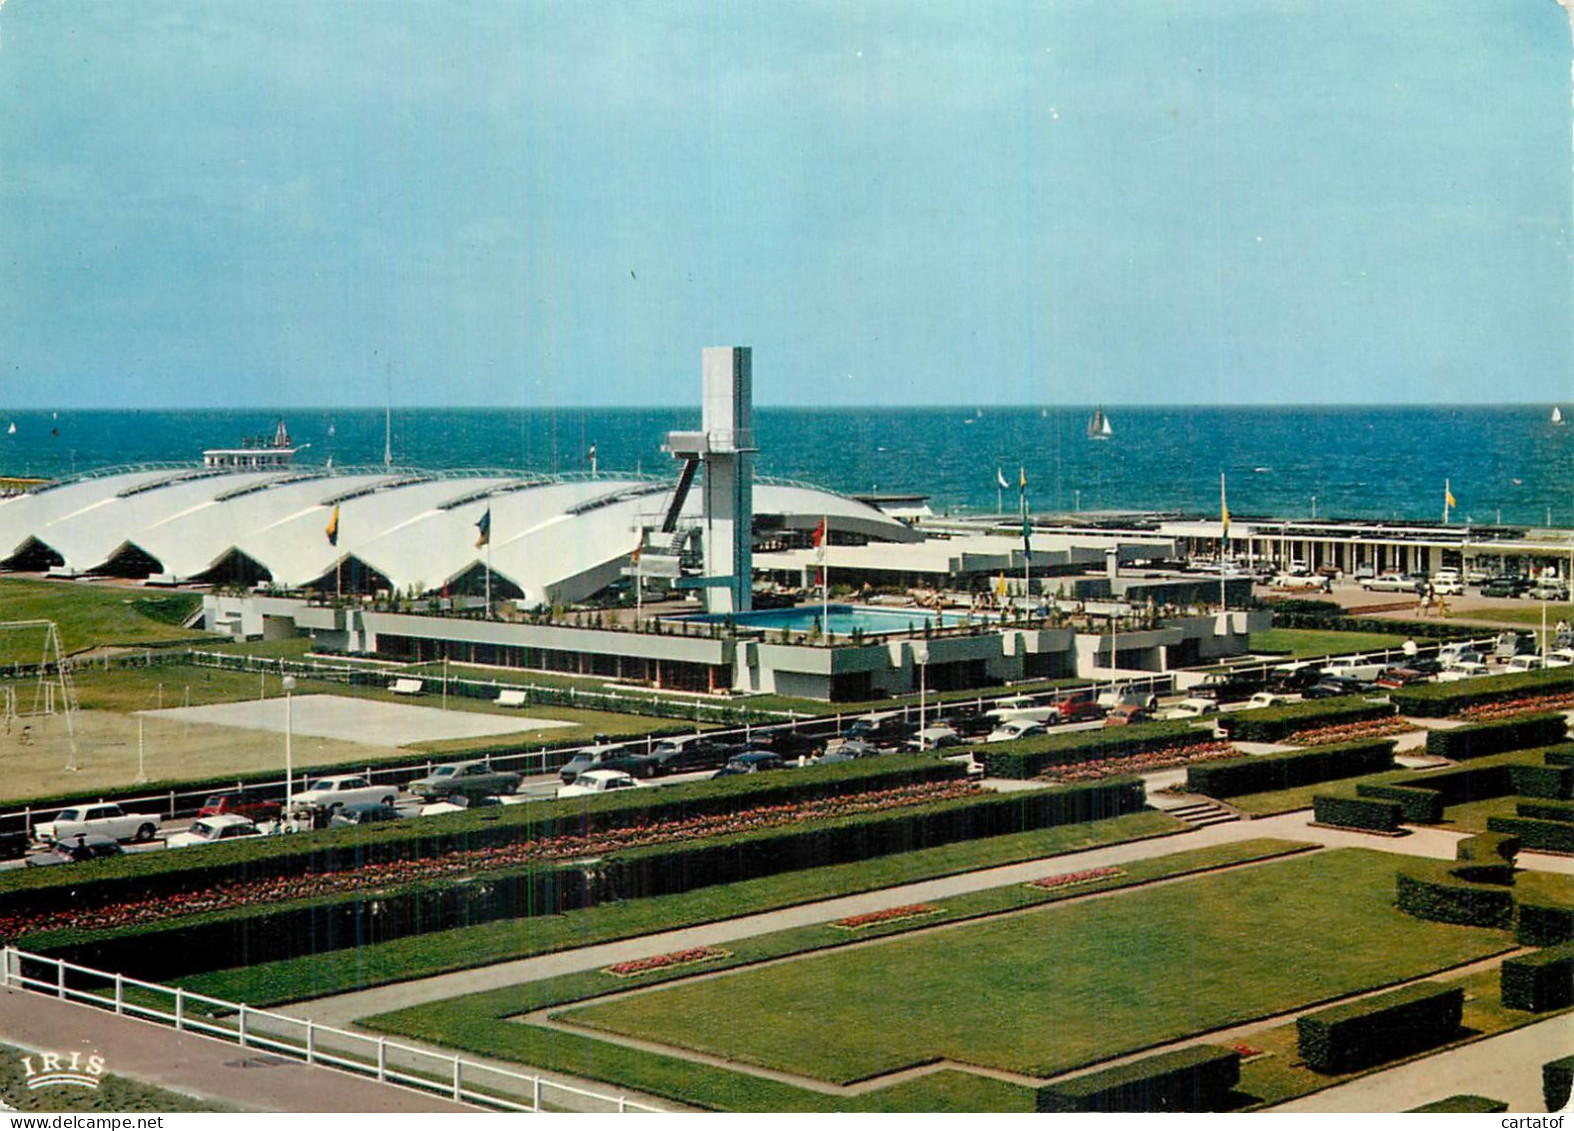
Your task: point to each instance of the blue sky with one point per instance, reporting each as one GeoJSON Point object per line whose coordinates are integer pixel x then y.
{"type": "Point", "coordinates": [1255, 201]}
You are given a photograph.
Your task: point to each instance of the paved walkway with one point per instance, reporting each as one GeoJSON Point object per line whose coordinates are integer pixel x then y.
{"type": "Point", "coordinates": [198, 1066]}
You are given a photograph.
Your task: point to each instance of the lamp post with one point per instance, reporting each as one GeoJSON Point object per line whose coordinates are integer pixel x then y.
{"type": "Point", "coordinates": [289, 752]}
{"type": "Point", "coordinates": [921, 658]}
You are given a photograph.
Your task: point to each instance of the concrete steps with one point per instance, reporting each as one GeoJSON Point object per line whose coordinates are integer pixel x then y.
{"type": "Point", "coordinates": [1200, 814]}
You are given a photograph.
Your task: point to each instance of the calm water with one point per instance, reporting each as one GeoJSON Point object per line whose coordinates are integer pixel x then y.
{"type": "Point", "coordinates": [1509, 463]}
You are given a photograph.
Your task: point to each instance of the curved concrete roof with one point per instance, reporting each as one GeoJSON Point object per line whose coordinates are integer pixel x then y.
{"type": "Point", "coordinates": [554, 539]}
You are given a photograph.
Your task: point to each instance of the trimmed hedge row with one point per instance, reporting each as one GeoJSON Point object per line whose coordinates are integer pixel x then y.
{"type": "Point", "coordinates": [1380, 1028]}
{"type": "Point", "coordinates": [1539, 982]}
{"type": "Point", "coordinates": [678, 867]}
{"type": "Point", "coordinates": [1480, 739]}
{"type": "Point", "coordinates": [1557, 1080]}
{"type": "Point", "coordinates": [1363, 813]}
{"type": "Point", "coordinates": [1486, 858]}
{"type": "Point", "coordinates": [140, 875]}
{"type": "Point", "coordinates": [1544, 925]}
{"type": "Point", "coordinates": [1416, 806]}
{"type": "Point", "coordinates": [1561, 755]}
{"type": "Point", "coordinates": [1441, 897]}
{"type": "Point", "coordinates": [1552, 783]}
{"type": "Point", "coordinates": [1466, 783]}
{"type": "Point", "coordinates": [1460, 1105]}
{"type": "Point", "coordinates": [1231, 777]}
{"type": "Point", "coordinates": [1196, 1078]}
{"type": "Point", "coordinates": [1543, 836]}
{"type": "Point", "coordinates": [1545, 810]}
{"type": "Point", "coordinates": [1440, 700]}
{"type": "Point", "coordinates": [1029, 757]}
{"type": "Point", "coordinates": [1270, 724]}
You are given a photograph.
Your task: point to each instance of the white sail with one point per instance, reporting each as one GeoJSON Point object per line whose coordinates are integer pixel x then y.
{"type": "Point", "coordinates": [1557, 415]}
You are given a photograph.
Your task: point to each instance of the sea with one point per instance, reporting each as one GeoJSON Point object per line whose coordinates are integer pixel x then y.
{"type": "Point", "coordinates": [1502, 464]}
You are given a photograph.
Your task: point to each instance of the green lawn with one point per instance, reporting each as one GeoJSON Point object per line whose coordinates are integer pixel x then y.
{"type": "Point", "coordinates": [89, 615]}
{"type": "Point", "coordinates": [1521, 614]}
{"type": "Point", "coordinates": [419, 956]}
{"type": "Point", "coordinates": [1318, 642]}
{"type": "Point", "coordinates": [1049, 990]}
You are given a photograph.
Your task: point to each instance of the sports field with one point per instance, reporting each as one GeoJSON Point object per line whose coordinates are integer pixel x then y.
{"type": "Point", "coordinates": [1047, 990]}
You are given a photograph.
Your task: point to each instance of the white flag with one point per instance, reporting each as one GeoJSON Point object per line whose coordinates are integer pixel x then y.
{"type": "Point", "coordinates": [1000, 477]}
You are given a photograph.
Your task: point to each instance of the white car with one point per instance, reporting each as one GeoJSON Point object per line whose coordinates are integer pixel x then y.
{"type": "Point", "coordinates": [1523, 664]}
{"type": "Point", "coordinates": [345, 789]}
{"type": "Point", "coordinates": [1192, 709]}
{"type": "Point", "coordinates": [1390, 583]}
{"type": "Point", "coordinates": [934, 738]}
{"type": "Point", "coordinates": [212, 830]}
{"type": "Point", "coordinates": [1448, 587]}
{"type": "Point", "coordinates": [1266, 699]}
{"type": "Point", "coordinates": [1560, 658]}
{"type": "Point", "coordinates": [1012, 729]}
{"type": "Point", "coordinates": [598, 781]}
{"type": "Point", "coordinates": [104, 818]}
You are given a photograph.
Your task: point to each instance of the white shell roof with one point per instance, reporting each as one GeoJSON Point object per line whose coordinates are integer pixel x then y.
{"type": "Point", "coordinates": [553, 539]}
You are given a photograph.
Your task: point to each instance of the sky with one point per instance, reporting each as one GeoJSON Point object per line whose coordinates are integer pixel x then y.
{"type": "Point", "coordinates": [233, 204]}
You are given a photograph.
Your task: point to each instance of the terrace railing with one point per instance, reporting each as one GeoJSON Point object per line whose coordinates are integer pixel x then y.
{"type": "Point", "coordinates": [388, 1062]}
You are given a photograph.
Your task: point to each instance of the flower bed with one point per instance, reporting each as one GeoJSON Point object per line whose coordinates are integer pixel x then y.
{"type": "Point", "coordinates": [1349, 732]}
{"type": "Point", "coordinates": [1072, 879]}
{"type": "Point", "coordinates": [1507, 708]}
{"type": "Point", "coordinates": [1161, 759]}
{"type": "Point", "coordinates": [377, 876]}
{"type": "Point", "coordinates": [889, 915]}
{"type": "Point", "coordinates": [689, 957]}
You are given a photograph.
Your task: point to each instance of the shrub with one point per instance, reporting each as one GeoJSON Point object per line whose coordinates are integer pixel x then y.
{"type": "Point", "coordinates": [1196, 1078]}
{"type": "Point", "coordinates": [1560, 755]}
{"type": "Point", "coordinates": [1429, 891]}
{"type": "Point", "coordinates": [1416, 806]}
{"type": "Point", "coordinates": [1544, 925]}
{"type": "Point", "coordinates": [1461, 1105]}
{"type": "Point", "coordinates": [1464, 784]}
{"type": "Point", "coordinates": [1381, 1028]}
{"type": "Point", "coordinates": [1545, 810]}
{"type": "Point", "coordinates": [1486, 858]}
{"type": "Point", "coordinates": [1029, 757]}
{"type": "Point", "coordinates": [1232, 777]}
{"type": "Point", "coordinates": [1480, 739]}
{"type": "Point", "coordinates": [1439, 700]}
{"type": "Point", "coordinates": [1557, 1078]}
{"type": "Point", "coordinates": [1356, 813]}
{"type": "Point", "coordinates": [1544, 836]}
{"type": "Point", "coordinates": [1554, 783]}
{"type": "Point", "coordinates": [1271, 724]}
{"type": "Point", "coordinates": [1540, 981]}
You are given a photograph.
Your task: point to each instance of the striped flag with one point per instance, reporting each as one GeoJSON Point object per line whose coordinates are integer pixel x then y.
{"type": "Point", "coordinates": [485, 528]}
{"type": "Point", "coordinates": [333, 527]}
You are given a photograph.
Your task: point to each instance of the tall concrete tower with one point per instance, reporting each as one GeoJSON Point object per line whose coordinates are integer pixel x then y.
{"type": "Point", "coordinates": [725, 449]}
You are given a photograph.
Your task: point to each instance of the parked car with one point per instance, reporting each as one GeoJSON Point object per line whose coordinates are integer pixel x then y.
{"type": "Point", "coordinates": [347, 815]}
{"type": "Point", "coordinates": [1012, 729]}
{"type": "Point", "coordinates": [1400, 677]}
{"type": "Point", "coordinates": [1390, 583]}
{"type": "Point", "coordinates": [1552, 590]}
{"type": "Point", "coordinates": [1448, 586]}
{"type": "Point", "coordinates": [624, 759]}
{"type": "Point", "coordinates": [1078, 709]}
{"type": "Point", "coordinates": [211, 830]}
{"type": "Point", "coordinates": [1292, 677]}
{"type": "Point", "coordinates": [335, 792]}
{"type": "Point", "coordinates": [1123, 694]}
{"type": "Point", "coordinates": [242, 803]}
{"type": "Point", "coordinates": [1124, 714]}
{"type": "Point", "coordinates": [1332, 686]}
{"type": "Point", "coordinates": [1192, 709]}
{"type": "Point", "coordinates": [1511, 644]}
{"type": "Point", "coordinates": [847, 749]}
{"type": "Point", "coordinates": [458, 805]}
{"type": "Point", "coordinates": [1560, 658]}
{"type": "Point", "coordinates": [464, 779]}
{"type": "Point", "coordinates": [1523, 664]}
{"type": "Point", "coordinates": [750, 762]}
{"type": "Point", "coordinates": [76, 850]}
{"type": "Point", "coordinates": [685, 755]}
{"type": "Point", "coordinates": [791, 744]}
{"type": "Point", "coordinates": [1365, 571]}
{"type": "Point", "coordinates": [934, 738]}
{"type": "Point", "coordinates": [103, 818]}
{"type": "Point", "coordinates": [593, 782]}
{"type": "Point", "coordinates": [889, 729]}
{"type": "Point", "coordinates": [1266, 699]}
{"type": "Point", "coordinates": [1227, 687]}
{"type": "Point", "coordinates": [1503, 587]}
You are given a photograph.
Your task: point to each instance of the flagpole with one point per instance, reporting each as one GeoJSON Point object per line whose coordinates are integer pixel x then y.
{"type": "Point", "coordinates": [825, 577]}
{"type": "Point", "coordinates": [489, 575]}
{"type": "Point", "coordinates": [1448, 493]}
{"type": "Point", "coordinates": [1224, 541]}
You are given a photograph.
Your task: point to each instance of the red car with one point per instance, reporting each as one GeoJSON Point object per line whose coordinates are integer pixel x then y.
{"type": "Point", "coordinates": [242, 804]}
{"type": "Point", "coordinates": [1125, 714]}
{"type": "Point", "coordinates": [1079, 710]}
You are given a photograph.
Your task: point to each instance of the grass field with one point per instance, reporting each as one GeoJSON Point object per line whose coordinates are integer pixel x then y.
{"type": "Point", "coordinates": [1052, 989]}
{"type": "Point", "coordinates": [1317, 642]}
{"type": "Point", "coordinates": [420, 956]}
{"type": "Point", "coordinates": [89, 616]}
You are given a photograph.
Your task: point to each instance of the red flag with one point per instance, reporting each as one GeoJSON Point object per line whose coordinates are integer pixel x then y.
{"type": "Point", "coordinates": [818, 537]}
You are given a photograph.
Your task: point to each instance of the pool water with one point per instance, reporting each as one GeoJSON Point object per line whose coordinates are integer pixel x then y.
{"type": "Point", "coordinates": [838, 619]}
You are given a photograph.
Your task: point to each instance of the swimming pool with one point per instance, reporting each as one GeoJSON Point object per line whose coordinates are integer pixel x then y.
{"type": "Point", "coordinates": [838, 619]}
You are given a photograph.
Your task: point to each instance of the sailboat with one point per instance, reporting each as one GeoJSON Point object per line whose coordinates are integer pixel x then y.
{"type": "Point", "coordinates": [1557, 415]}
{"type": "Point", "coordinates": [1098, 426]}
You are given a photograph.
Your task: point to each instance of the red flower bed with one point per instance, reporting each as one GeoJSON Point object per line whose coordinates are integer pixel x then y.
{"type": "Point", "coordinates": [1161, 759]}
{"type": "Point", "coordinates": [1349, 732]}
{"type": "Point", "coordinates": [889, 915]}
{"type": "Point", "coordinates": [666, 961]}
{"type": "Point", "coordinates": [1071, 879]}
{"type": "Point", "coordinates": [1530, 704]}
{"type": "Point", "coordinates": [396, 873]}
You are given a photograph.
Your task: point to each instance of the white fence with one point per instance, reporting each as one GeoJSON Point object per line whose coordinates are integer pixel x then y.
{"type": "Point", "coordinates": [388, 1062]}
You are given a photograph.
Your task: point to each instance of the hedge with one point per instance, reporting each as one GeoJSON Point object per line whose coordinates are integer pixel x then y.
{"type": "Point", "coordinates": [1195, 1078]}
{"type": "Point", "coordinates": [1271, 724]}
{"type": "Point", "coordinates": [1540, 981]}
{"type": "Point", "coordinates": [1356, 813]}
{"type": "Point", "coordinates": [1381, 1028]}
{"type": "Point", "coordinates": [1544, 924]}
{"type": "Point", "coordinates": [1231, 777]}
{"type": "Point", "coordinates": [1545, 810]}
{"type": "Point", "coordinates": [1416, 806]}
{"type": "Point", "coordinates": [1460, 1105]}
{"type": "Point", "coordinates": [1543, 836]}
{"type": "Point", "coordinates": [1466, 783]}
{"type": "Point", "coordinates": [1324, 621]}
{"type": "Point", "coordinates": [1440, 700]}
{"type": "Point", "coordinates": [1486, 858]}
{"type": "Point", "coordinates": [1441, 897]}
{"type": "Point", "coordinates": [677, 867]}
{"type": "Point", "coordinates": [141, 875]}
{"type": "Point", "coordinates": [1480, 739]}
{"type": "Point", "coordinates": [1557, 1079]}
{"type": "Point", "coordinates": [1560, 755]}
{"type": "Point", "coordinates": [1029, 757]}
{"type": "Point", "coordinates": [1553, 783]}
